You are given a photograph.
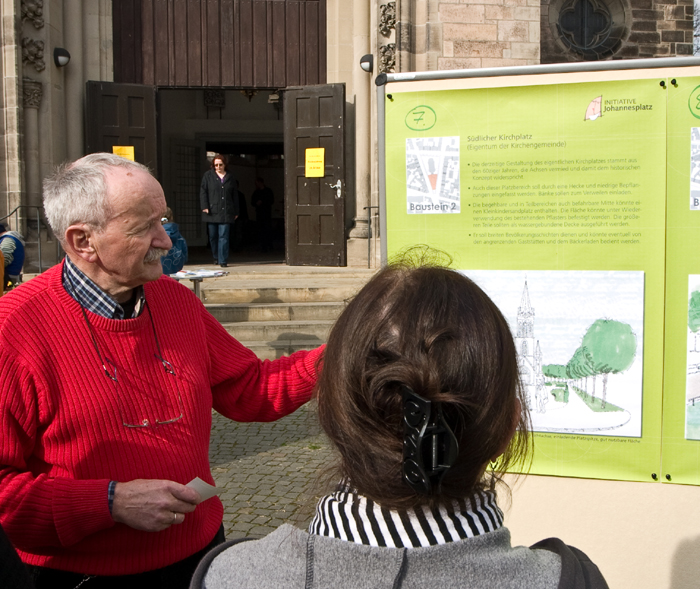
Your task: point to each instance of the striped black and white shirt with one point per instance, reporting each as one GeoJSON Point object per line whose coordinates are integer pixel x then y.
{"type": "Point", "coordinates": [348, 516]}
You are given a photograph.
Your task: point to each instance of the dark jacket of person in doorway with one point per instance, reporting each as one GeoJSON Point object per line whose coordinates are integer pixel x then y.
{"type": "Point", "coordinates": [218, 195]}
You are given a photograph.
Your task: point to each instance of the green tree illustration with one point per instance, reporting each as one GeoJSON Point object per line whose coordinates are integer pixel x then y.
{"type": "Point", "coordinates": [555, 371]}
{"type": "Point", "coordinates": [581, 366]}
{"type": "Point", "coordinates": [612, 346]}
{"type": "Point", "coordinates": [694, 316]}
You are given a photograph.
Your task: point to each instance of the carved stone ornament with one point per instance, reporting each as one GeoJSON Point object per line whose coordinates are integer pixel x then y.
{"type": "Point", "coordinates": [387, 20]}
{"type": "Point", "coordinates": [32, 93]}
{"type": "Point", "coordinates": [214, 99]}
{"type": "Point", "coordinates": [33, 52]}
{"type": "Point", "coordinates": [387, 58]}
{"type": "Point", "coordinates": [33, 11]}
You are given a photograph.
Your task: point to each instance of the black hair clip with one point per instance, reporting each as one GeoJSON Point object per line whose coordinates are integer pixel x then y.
{"type": "Point", "coordinates": [430, 447]}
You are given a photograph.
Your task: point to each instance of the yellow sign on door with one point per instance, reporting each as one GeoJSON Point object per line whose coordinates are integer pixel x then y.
{"type": "Point", "coordinates": [315, 162]}
{"type": "Point", "coordinates": [126, 151]}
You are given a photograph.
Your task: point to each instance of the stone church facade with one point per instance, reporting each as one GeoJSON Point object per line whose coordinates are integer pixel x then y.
{"type": "Point", "coordinates": [43, 105]}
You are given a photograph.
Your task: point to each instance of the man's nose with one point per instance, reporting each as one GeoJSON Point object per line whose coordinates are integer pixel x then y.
{"type": "Point", "coordinates": [162, 240]}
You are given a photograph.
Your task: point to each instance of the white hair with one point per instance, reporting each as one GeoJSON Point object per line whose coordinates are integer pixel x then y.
{"type": "Point", "coordinates": [77, 192]}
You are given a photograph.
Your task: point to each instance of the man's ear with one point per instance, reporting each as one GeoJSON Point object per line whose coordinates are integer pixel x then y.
{"type": "Point", "coordinates": [80, 241]}
{"type": "Point", "coordinates": [517, 411]}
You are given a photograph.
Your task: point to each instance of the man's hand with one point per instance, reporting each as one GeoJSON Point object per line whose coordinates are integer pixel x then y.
{"type": "Point", "coordinates": [205, 211]}
{"type": "Point", "coordinates": [152, 505]}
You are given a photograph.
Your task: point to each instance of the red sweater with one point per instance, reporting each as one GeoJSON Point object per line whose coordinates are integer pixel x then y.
{"type": "Point", "coordinates": [61, 420]}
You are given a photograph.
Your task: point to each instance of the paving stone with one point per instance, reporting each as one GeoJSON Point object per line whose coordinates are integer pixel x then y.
{"type": "Point", "coordinates": [268, 470]}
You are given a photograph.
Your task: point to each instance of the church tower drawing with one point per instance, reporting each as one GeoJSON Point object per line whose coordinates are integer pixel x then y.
{"type": "Point", "coordinates": [529, 355]}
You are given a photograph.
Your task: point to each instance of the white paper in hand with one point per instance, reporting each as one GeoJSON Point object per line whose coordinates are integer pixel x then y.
{"type": "Point", "coordinates": [204, 489]}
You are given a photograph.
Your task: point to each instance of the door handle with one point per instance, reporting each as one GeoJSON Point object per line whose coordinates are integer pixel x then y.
{"type": "Point", "coordinates": [338, 188]}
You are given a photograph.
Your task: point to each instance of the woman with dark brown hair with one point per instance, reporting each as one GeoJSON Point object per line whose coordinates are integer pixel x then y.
{"type": "Point", "coordinates": [420, 395]}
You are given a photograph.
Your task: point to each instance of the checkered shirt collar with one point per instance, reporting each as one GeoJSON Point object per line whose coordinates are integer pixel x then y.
{"type": "Point", "coordinates": [92, 297]}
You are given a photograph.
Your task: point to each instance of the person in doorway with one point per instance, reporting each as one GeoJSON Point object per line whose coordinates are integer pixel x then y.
{"type": "Point", "coordinates": [177, 256]}
{"type": "Point", "coordinates": [420, 396]}
{"type": "Point", "coordinates": [218, 196]}
{"type": "Point", "coordinates": [12, 248]}
{"type": "Point", "coordinates": [108, 375]}
{"type": "Point", "coordinates": [262, 200]}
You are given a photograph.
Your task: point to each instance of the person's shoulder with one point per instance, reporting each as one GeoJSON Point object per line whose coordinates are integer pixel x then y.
{"type": "Point", "coordinates": [277, 560]}
{"type": "Point", "coordinates": [30, 293]}
{"type": "Point", "coordinates": [577, 570]}
{"type": "Point", "coordinates": [29, 307]}
{"type": "Point", "coordinates": [486, 560]}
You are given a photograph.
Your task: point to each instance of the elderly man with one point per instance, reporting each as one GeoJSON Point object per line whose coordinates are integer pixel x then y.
{"type": "Point", "coordinates": [107, 380]}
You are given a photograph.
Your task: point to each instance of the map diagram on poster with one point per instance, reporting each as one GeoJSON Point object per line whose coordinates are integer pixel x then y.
{"type": "Point", "coordinates": [432, 175]}
{"type": "Point", "coordinates": [578, 335]}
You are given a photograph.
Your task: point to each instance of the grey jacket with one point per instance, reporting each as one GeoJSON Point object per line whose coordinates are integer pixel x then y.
{"type": "Point", "coordinates": [290, 558]}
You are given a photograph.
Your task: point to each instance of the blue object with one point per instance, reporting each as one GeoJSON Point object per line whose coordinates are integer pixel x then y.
{"type": "Point", "coordinates": [15, 268]}
{"type": "Point", "coordinates": [177, 256]}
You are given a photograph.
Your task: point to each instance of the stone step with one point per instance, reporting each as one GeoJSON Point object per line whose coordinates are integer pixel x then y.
{"type": "Point", "coordinates": [279, 348]}
{"type": "Point", "coordinates": [296, 273]}
{"type": "Point", "coordinates": [290, 291]}
{"type": "Point", "coordinates": [271, 331]}
{"type": "Point", "coordinates": [242, 312]}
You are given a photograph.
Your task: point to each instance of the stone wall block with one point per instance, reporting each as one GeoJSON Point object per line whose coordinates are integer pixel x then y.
{"type": "Point", "coordinates": [527, 13]}
{"type": "Point", "coordinates": [684, 25]}
{"type": "Point", "coordinates": [688, 36]}
{"type": "Point", "coordinates": [656, 50]}
{"type": "Point", "coordinates": [500, 13]}
{"type": "Point", "coordinates": [648, 15]}
{"type": "Point", "coordinates": [534, 36]}
{"type": "Point", "coordinates": [448, 49]}
{"type": "Point", "coordinates": [492, 62]}
{"type": "Point", "coordinates": [628, 51]}
{"type": "Point", "coordinates": [418, 38]}
{"type": "Point", "coordinates": [525, 50]}
{"type": "Point", "coordinates": [644, 38]}
{"type": "Point", "coordinates": [458, 64]}
{"type": "Point", "coordinates": [672, 36]}
{"type": "Point", "coordinates": [644, 4]}
{"type": "Point", "coordinates": [512, 31]}
{"type": "Point", "coordinates": [485, 32]}
{"type": "Point", "coordinates": [674, 13]}
{"type": "Point", "coordinates": [461, 13]}
{"type": "Point", "coordinates": [644, 25]}
{"type": "Point", "coordinates": [479, 49]}
{"type": "Point", "coordinates": [684, 48]}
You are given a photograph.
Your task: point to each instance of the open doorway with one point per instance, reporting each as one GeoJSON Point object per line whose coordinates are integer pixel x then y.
{"type": "Point", "coordinates": [258, 234]}
{"type": "Point", "coordinates": [247, 127]}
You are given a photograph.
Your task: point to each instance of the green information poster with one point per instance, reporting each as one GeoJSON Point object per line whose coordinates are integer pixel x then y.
{"type": "Point", "coordinates": [553, 199]}
{"type": "Point", "coordinates": [681, 416]}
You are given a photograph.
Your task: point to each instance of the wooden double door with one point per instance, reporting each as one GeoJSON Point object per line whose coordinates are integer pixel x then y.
{"type": "Point", "coordinates": [314, 116]}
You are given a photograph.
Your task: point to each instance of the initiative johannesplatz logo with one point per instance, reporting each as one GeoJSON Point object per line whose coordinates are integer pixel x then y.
{"type": "Point", "coordinates": [598, 107]}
